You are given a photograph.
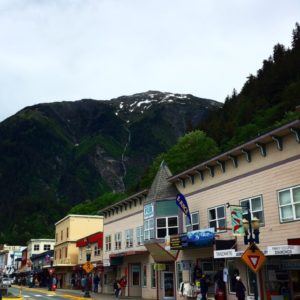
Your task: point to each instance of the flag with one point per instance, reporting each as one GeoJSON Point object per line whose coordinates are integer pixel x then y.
{"type": "Point", "coordinates": [237, 221]}
{"type": "Point", "coordinates": [182, 203]}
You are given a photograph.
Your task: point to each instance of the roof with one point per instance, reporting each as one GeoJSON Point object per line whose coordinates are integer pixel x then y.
{"type": "Point", "coordinates": [79, 216]}
{"type": "Point", "coordinates": [272, 136]}
{"type": "Point", "coordinates": [161, 188]}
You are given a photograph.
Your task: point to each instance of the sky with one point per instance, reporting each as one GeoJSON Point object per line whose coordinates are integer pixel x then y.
{"type": "Point", "coordinates": [67, 50]}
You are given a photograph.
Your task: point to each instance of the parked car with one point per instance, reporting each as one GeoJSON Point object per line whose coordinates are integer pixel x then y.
{"type": "Point", "coordinates": [6, 282]}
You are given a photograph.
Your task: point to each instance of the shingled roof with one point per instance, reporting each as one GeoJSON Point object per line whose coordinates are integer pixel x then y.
{"type": "Point", "coordinates": [161, 188]}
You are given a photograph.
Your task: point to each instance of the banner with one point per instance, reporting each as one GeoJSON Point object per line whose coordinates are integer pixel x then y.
{"type": "Point", "coordinates": [237, 221]}
{"type": "Point", "coordinates": [182, 203]}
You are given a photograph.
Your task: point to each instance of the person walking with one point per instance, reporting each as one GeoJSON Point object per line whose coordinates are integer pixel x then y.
{"type": "Point", "coordinates": [239, 289]}
{"type": "Point", "coordinates": [96, 281]}
{"type": "Point", "coordinates": [117, 288]}
{"type": "Point", "coordinates": [203, 287]}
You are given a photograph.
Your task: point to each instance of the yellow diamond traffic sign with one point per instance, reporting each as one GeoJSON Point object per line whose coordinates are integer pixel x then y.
{"type": "Point", "coordinates": [88, 267]}
{"type": "Point", "coordinates": [253, 258]}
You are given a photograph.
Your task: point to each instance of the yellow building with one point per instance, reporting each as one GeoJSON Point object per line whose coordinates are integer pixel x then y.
{"type": "Point", "coordinates": [67, 231]}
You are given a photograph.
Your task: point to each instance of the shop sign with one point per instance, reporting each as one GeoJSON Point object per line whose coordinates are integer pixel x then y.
{"type": "Point", "coordinates": [283, 250]}
{"type": "Point", "coordinates": [224, 253]}
{"type": "Point", "coordinates": [148, 211]}
{"type": "Point", "coordinates": [106, 262]}
{"type": "Point", "coordinates": [159, 267]}
{"type": "Point", "coordinates": [193, 239]}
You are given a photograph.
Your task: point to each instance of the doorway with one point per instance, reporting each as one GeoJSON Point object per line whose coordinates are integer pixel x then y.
{"type": "Point", "coordinates": [168, 285]}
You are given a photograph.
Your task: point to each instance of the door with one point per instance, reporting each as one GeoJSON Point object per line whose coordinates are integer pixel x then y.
{"type": "Point", "coordinates": [168, 285]}
{"type": "Point", "coordinates": [135, 288]}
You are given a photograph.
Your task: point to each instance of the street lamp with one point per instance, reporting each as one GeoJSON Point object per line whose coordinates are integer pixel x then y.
{"type": "Point", "coordinates": [51, 271]}
{"type": "Point", "coordinates": [88, 252]}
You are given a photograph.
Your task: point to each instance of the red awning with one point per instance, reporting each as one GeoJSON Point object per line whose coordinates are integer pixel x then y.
{"type": "Point", "coordinates": [91, 239]}
{"type": "Point", "coordinates": [293, 241]}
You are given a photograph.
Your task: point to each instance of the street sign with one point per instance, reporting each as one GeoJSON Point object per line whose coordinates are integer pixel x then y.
{"type": "Point", "coordinates": [253, 258]}
{"type": "Point", "coordinates": [88, 267]}
{"type": "Point", "coordinates": [51, 271]}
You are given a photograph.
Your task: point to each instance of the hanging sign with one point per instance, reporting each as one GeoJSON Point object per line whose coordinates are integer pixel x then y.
{"type": "Point", "coordinates": [237, 221]}
{"type": "Point", "coordinates": [182, 203]}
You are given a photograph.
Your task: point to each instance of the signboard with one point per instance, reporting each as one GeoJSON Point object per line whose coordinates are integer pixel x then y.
{"type": "Point", "coordinates": [237, 221]}
{"type": "Point", "coordinates": [182, 204]}
{"type": "Point", "coordinates": [224, 253]}
{"type": "Point", "coordinates": [193, 239]}
{"type": "Point", "coordinates": [283, 250]}
{"type": "Point", "coordinates": [148, 211]}
{"type": "Point", "coordinates": [88, 267]}
{"type": "Point", "coordinates": [253, 258]}
{"type": "Point", "coordinates": [159, 267]}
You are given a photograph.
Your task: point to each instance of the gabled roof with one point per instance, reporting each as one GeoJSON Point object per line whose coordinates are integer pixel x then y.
{"type": "Point", "coordinates": [161, 188]}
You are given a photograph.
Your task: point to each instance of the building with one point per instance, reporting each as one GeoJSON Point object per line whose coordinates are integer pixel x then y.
{"type": "Point", "coordinates": [38, 246]}
{"type": "Point", "coordinates": [67, 232]}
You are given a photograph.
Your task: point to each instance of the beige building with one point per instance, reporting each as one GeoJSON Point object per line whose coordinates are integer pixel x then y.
{"type": "Point", "coordinates": [67, 231]}
{"type": "Point", "coordinates": [263, 173]}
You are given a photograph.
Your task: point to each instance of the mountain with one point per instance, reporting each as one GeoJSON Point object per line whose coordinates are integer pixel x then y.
{"type": "Point", "coordinates": [56, 155]}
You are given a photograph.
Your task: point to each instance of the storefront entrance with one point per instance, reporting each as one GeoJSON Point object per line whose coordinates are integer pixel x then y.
{"type": "Point", "coordinates": [168, 285]}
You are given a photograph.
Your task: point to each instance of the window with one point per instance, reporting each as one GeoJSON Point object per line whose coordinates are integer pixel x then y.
{"type": "Point", "coordinates": [59, 253]}
{"type": "Point", "coordinates": [144, 275]}
{"type": "Point", "coordinates": [97, 250]}
{"type": "Point", "coordinates": [256, 208]}
{"type": "Point", "coordinates": [179, 276]}
{"type": "Point", "coordinates": [118, 240]}
{"type": "Point", "coordinates": [129, 238]}
{"type": "Point", "coordinates": [36, 247]}
{"type": "Point", "coordinates": [67, 232]}
{"type": "Point", "coordinates": [289, 204]}
{"type": "Point", "coordinates": [135, 275]}
{"type": "Point", "coordinates": [56, 237]}
{"type": "Point", "coordinates": [61, 235]}
{"type": "Point", "coordinates": [216, 218]}
{"type": "Point", "coordinates": [251, 276]}
{"type": "Point", "coordinates": [80, 253]}
{"type": "Point", "coordinates": [140, 235]}
{"type": "Point", "coordinates": [166, 226]}
{"type": "Point", "coordinates": [149, 229]}
{"type": "Point", "coordinates": [194, 225]}
{"type": "Point", "coordinates": [153, 276]}
{"type": "Point", "coordinates": [108, 243]}
{"type": "Point", "coordinates": [233, 271]}
{"type": "Point", "coordinates": [66, 252]}
{"type": "Point", "coordinates": [47, 247]}
{"type": "Point", "coordinates": [54, 254]}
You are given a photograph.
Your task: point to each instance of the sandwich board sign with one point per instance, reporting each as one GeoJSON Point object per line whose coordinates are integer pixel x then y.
{"type": "Point", "coordinates": [253, 258]}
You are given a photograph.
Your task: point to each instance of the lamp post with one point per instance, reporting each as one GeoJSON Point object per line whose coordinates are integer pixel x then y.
{"type": "Point", "coordinates": [251, 236]}
{"type": "Point", "coordinates": [88, 252]}
{"type": "Point", "coordinates": [51, 271]}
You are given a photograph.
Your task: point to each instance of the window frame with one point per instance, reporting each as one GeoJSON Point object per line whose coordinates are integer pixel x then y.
{"type": "Point", "coordinates": [217, 219]}
{"type": "Point", "coordinates": [167, 227]}
{"type": "Point", "coordinates": [47, 247]}
{"type": "Point", "coordinates": [140, 235]}
{"type": "Point", "coordinates": [129, 238]}
{"type": "Point", "coordinates": [97, 250]}
{"type": "Point", "coordinates": [118, 240]}
{"type": "Point", "coordinates": [36, 247]}
{"type": "Point", "coordinates": [292, 204]}
{"type": "Point", "coordinates": [148, 230]}
{"type": "Point", "coordinates": [245, 212]}
{"type": "Point", "coordinates": [108, 243]}
{"type": "Point", "coordinates": [192, 224]}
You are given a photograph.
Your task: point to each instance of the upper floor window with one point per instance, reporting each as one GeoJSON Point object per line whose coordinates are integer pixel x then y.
{"type": "Point", "coordinates": [149, 229]}
{"type": "Point", "coordinates": [97, 250]}
{"type": "Point", "coordinates": [140, 235]}
{"type": "Point", "coordinates": [67, 232]}
{"type": "Point", "coordinates": [80, 253]}
{"type": "Point", "coordinates": [108, 243]}
{"type": "Point", "coordinates": [216, 217]}
{"type": "Point", "coordinates": [118, 240]}
{"type": "Point", "coordinates": [289, 204]}
{"type": "Point", "coordinates": [56, 237]}
{"type": "Point", "coordinates": [194, 225]}
{"type": "Point", "coordinates": [47, 247]}
{"type": "Point", "coordinates": [66, 252]}
{"type": "Point", "coordinates": [166, 226]}
{"type": "Point", "coordinates": [36, 247]}
{"type": "Point", "coordinates": [61, 235]}
{"type": "Point", "coordinates": [129, 238]}
{"type": "Point", "coordinates": [256, 208]}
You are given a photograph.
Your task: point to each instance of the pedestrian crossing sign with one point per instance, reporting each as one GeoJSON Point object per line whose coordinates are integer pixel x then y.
{"type": "Point", "coordinates": [253, 258]}
{"type": "Point", "coordinates": [88, 267]}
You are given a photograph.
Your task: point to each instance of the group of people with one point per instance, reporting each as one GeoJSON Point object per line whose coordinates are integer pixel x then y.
{"type": "Point", "coordinates": [119, 287]}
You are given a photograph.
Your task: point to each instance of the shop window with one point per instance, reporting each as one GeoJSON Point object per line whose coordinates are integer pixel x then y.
{"type": "Point", "coordinates": [233, 271]}
{"type": "Point", "coordinates": [140, 235]}
{"type": "Point", "coordinates": [135, 275]}
{"type": "Point", "coordinates": [179, 275]}
{"type": "Point", "coordinates": [153, 277]}
{"type": "Point", "coordinates": [256, 208]}
{"type": "Point", "coordinates": [129, 238]}
{"type": "Point", "coordinates": [216, 218]}
{"type": "Point", "coordinates": [194, 225]}
{"type": "Point", "coordinates": [289, 204]}
{"type": "Point", "coordinates": [149, 229]}
{"type": "Point", "coordinates": [144, 275]}
{"type": "Point", "coordinates": [108, 243]}
{"type": "Point", "coordinates": [166, 226]}
{"type": "Point", "coordinates": [118, 240]}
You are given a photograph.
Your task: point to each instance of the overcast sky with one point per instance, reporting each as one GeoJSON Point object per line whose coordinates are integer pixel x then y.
{"type": "Point", "coordinates": [55, 50]}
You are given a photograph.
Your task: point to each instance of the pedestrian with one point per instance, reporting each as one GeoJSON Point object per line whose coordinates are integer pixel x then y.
{"type": "Point", "coordinates": [117, 288]}
{"type": "Point", "coordinates": [203, 287]}
{"type": "Point", "coordinates": [96, 281]}
{"type": "Point", "coordinates": [123, 283]}
{"type": "Point", "coordinates": [239, 289]}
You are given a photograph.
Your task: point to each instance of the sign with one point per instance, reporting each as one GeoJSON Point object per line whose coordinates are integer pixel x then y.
{"type": "Point", "coordinates": [88, 267]}
{"type": "Point", "coordinates": [283, 250]}
{"type": "Point", "coordinates": [159, 267]}
{"type": "Point", "coordinates": [148, 211]}
{"type": "Point", "coordinates": [253, 258]}
{"type": "Point", "coordinates": [237, 221]}
{"type": "Point", "coordinates": [182, 203]}
{"type": "Point", "coordinates": [224, 253]}
{"type": "Point", "coordinates": [193, 239]}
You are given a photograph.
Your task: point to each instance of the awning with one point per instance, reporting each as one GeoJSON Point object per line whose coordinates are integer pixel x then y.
{"type": "Point", "coordinates": [225, 244]}
{"type": "Point", "coordinates": [24, 269]}
{"type": "Point", "coordinates": [159, 254]}
{"type": "Point", "coordinates": [127, 253]}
